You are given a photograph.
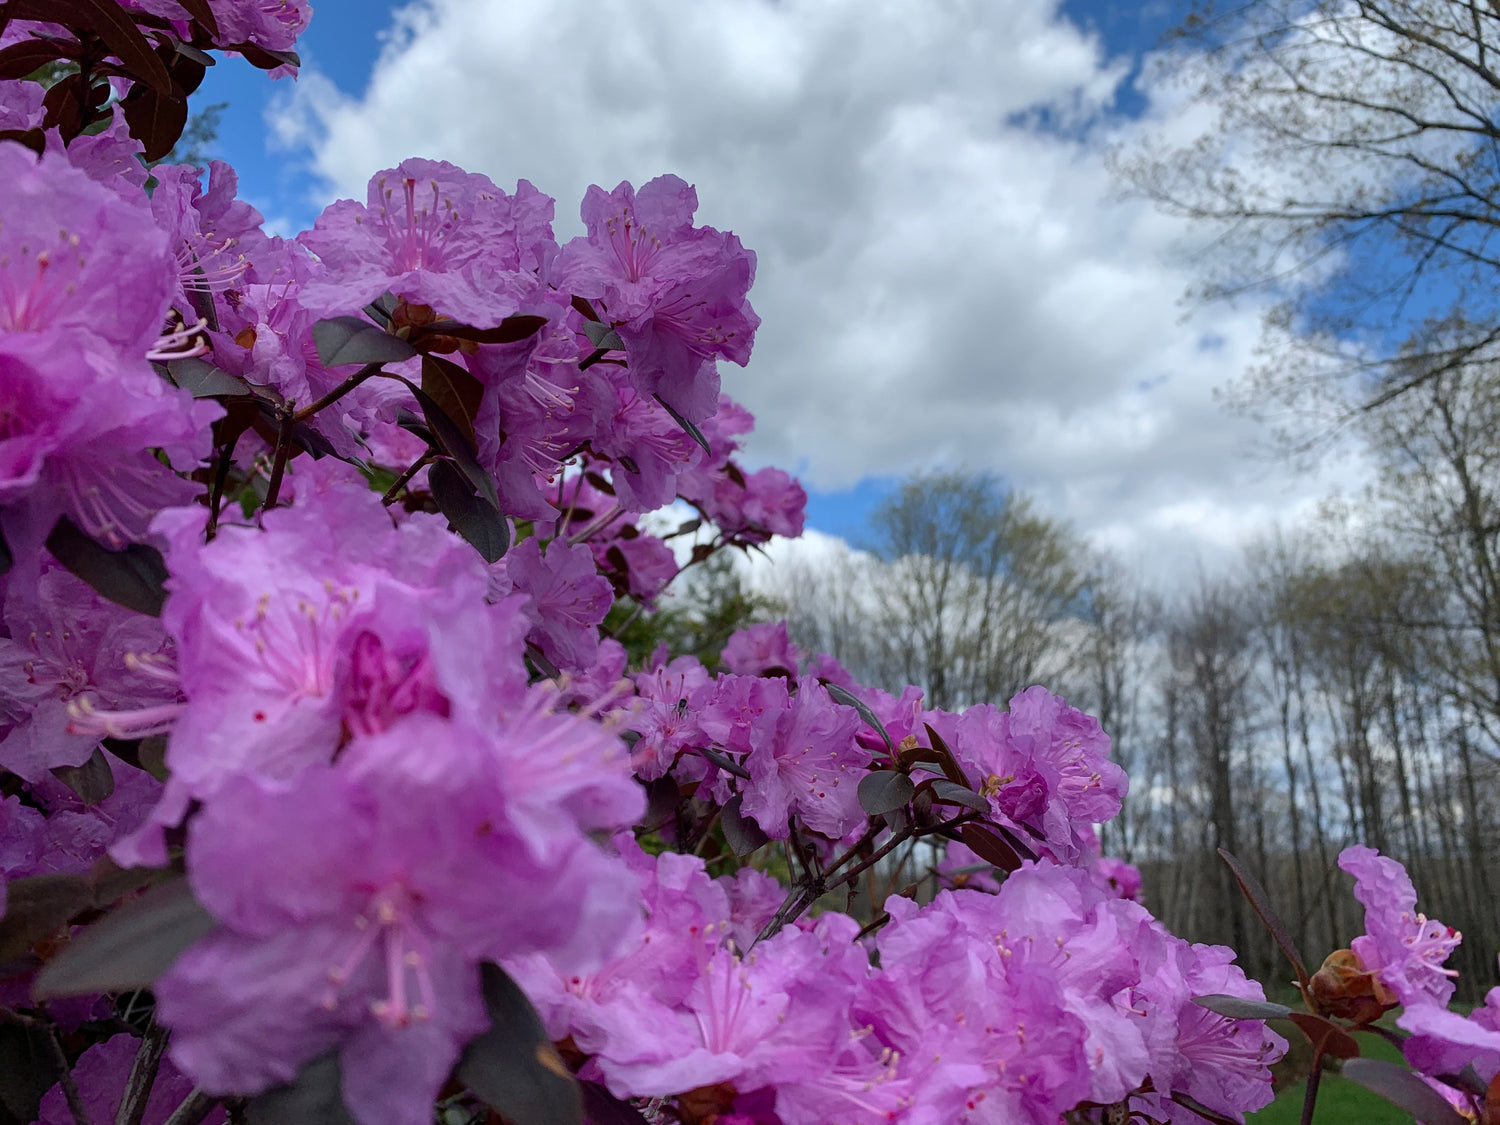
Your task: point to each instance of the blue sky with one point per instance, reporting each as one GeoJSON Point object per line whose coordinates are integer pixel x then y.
{"type": "Point", "coordinates": [948, 277]}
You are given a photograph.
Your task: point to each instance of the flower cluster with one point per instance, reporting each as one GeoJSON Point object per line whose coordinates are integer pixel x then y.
{"type": "Point", "coordinates": [308, 551]}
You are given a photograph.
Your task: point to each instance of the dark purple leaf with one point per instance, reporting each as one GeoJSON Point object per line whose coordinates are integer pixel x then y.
{"type": "Point", "coordinates": [456, 392]}
{"type": "Point", "coordinates": [314, 1098]}
{"type": "Point", "coordinates": [513, 1067]}
{"type": "Point", "coordinates": [262, 58]}
{"type": "Point", "coordinates": [451, 440]}
{"type": "Point", "coordinates": [945, 758]}
{"type": "Point", "coordinates": [989, 847]}
{"type": "Point", "coordinates": [511, 330]}
{"type": "Point", "coordinates": [67, 105]}
{"type": "Point", "coordinates": [1261, 904]}
{"type": "Point", "coordinates": [1325, 1035]}
{"type": "Point", "coordinates": [20, 60]}
{"type": "Point", "coordinates": [600, 1107]}
{"type": "Point", "coordinates": [107, 20]}
{"type": "Point", "coordinates": [741, 833]}
{"type": "Point", "coordinates": [155, 119]}
{"type": "Point", "coordinates": [28, 1069]}
{"type": "Point", "coordinates": [473, 517]}
{"type": "Point", "coordinates": [34, 139]}
{"type": "Point", "coordinates": [1404, 1090]}
{"type": "Point", "coordinates": [38, 906]}
{"type": "Point", "coordinates": [204, 15]}
{"type": "Point", "coordinates": [1019, 845]}
{"type": "Point", "coordinates": [884, 790]}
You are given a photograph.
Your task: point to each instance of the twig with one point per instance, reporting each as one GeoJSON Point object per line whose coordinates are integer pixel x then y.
{"type": "Point", "coordinates": [338, 392]}
{"type": "Point", "coordinates": [142, 1076]}
{"type": "Point", "coordinates": [194, 1108]}
{"type": "Point", "coordinates": [65, 1077]}
{"type": "Point", "coordinates": [1310, 1099]}
{"type": "Point", "coordinates": [278, 465]}
{"type": "Point", "coordinates": [405, 478]}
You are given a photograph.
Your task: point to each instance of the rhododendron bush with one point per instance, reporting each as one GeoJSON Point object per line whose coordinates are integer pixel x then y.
{"type": "Point", "coordinates": [325, 797]}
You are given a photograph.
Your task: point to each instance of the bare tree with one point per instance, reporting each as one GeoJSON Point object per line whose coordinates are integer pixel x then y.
{"type": "Point", "coordinates": [1353, 169]}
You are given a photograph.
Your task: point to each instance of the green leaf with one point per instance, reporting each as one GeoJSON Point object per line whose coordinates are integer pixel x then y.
{"type": "Point", "coordinates": [473, 517]}
{"type": "Point", "coordinates": [314, 1097]}
{"type": "Point", "coordinates": [93, 781]}
{"type": "Point", "coordinates": [513, 1066]}
{"type": "Point", "coordinates": [1404, 1090]}
{"type": "Point", "coordinates": [692, 431]}
{"type": "Point", "coordinates": [724, 762]}
{"type": "Point", "coordinates": [842, 695]}
{"type": "Point", "coordinates": [134, 577]}
{"type": "Point", "coordinates": [1202, 1110]}
{"type": "Point", "coordinates": [204, 380]}
{"type": "Point", "coordinates": [344, 340]}
{"type": "Point", "coordinates": [884, 790]}
{"type": "Point", "coordinates": [946, 792]}
{"type": "Point", "coordinates": [741, 833]}
{"type": "Point", "coordinates": [129, 947]}
{"type": "Point", "coordinates": [1238, 1008]}
{"type": "Point", "coordinates": [603, 336]}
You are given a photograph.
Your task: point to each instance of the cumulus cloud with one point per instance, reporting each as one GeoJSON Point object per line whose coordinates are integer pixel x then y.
{"type": "Point", "coordinates": [945, 275]}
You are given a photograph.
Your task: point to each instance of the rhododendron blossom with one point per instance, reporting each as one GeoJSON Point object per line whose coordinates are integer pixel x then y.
{"type": "Point", "coordinates": [325, 719]}
{"type": "Point", "coordinates": [1404, 949]}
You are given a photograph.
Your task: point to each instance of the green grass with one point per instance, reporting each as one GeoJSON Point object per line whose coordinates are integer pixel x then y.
{"type": "Point", "coordinates": [1340, 1102]}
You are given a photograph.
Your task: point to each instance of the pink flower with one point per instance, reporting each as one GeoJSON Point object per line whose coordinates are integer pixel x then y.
{"type": "Point", "coordinates": [809, 768]}
{"type": "Point", "coordinates": [1404, 949]}
{"type": "Point", "coordinates": [1044, 767]}
{"type": "Point", "coordinates": [71, 648]}
{"type": "Point", "coordinates": [434, 235]}
{"type": "Point", "coordinates": [355, 903]}
{"type": "Point", "coordinates": [101, 1073]}
{"type": "Point", "coordinates": [758, 650]}
{"type": "Point", "coordinates": [85, 279]}
{"type": "Point", "coordinates": [675, 292]}
{"type": "Point", "coordinates": [568, 599]}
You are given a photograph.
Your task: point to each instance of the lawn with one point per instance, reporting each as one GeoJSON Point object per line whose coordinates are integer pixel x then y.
{"type": "Point", "coordinates": [1340, 1102]}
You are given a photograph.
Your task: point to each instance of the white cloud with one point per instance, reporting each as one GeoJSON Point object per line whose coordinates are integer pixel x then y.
{"type": "Point", "coordinates": [942, 281]}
